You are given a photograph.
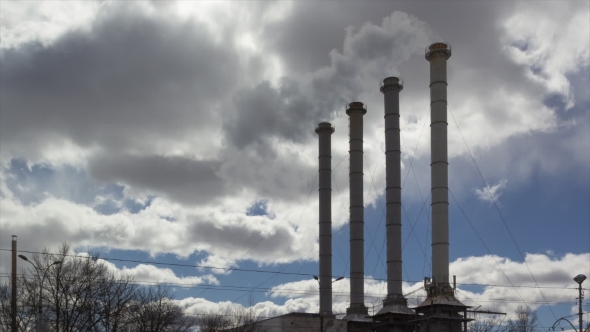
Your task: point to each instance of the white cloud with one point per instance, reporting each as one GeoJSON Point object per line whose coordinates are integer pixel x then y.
{"type": "Point", "coordinates": [498, 274]}
{"type": "Point", "coordinates": [264, 309]}
{"type": "Point", "coordinates": [221, 263]}
{"type": "Point", "coordinates": [178, 127]}
{"type": "Point", "coordinates": [43, 22]}
{"type": "Point", "coordinates": [491, 193]}
{"type": "Point", "coordinates": [150, 275]}
{"type": "Point", "coordinates": [490, 272]}
{"type": "Point", "coordinates": [164, 227]}
{"type": "Point", "coordinates": [551, 39]}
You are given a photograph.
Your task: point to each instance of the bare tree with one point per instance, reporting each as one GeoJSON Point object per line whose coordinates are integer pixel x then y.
{"type": "Point", "coordinates": [155, 311]}
{"type": "Point", "coordinates": [70, 295]}
{"type": "Point", "coordinates": [25, 315]}
{"type": "Point", "coordinates": [487, 323]}
{"type": "Point", "coordinates": [79, 294]}
{"type": "Point", "coordinates": [234, 320]}
{"type": "Point", "coordinates": [116, 296]}
{"type": "Point", "coordinates": [214, 322]}
{"type": "Point", "coordinates": [526, 320]}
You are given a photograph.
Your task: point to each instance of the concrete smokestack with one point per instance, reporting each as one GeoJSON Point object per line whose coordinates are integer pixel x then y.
{"type": "Point", "coordinates": [395, 301]}
{"type": "Point", "coordinates": [441, 309]}
{"type": "Point", "coordinates": [437, 54]}
{"type": "Point", "coordinates": [357, 308]}
{"type": "Point", "coordinates": [324, 131]}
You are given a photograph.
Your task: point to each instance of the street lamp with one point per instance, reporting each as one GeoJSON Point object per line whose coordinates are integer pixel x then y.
{"type": "Point", "coordinates": [40, 304]}
{"type": "Point", "coordinates": [321, 311]}
{"type": "Point", "coordinates": [552, 328]}
{"type": "Point", "coordinates": [580, 279]}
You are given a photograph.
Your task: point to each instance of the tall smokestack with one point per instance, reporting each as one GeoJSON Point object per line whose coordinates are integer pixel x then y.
{"type": "Point", "coordinates": [441, 309]}
{"type": "Point", "coordinates": [437, 54]}
{"type": "Point", "coordinates": [395, 301]}
{"type": "Point", "coordinates": [357, 308]}
{"type": "Point", "coordinates": [324, 131]}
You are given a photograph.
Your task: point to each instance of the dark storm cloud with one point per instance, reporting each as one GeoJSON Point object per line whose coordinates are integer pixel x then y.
{"type": "Point", "coordinates": [184, 180]}
{"type": "Point", "coordinates": [306, 37]}
{"type": "Point", "coordinates": [134, 87]}
{"type": "Point", "coordinates": [132, 81]}
{"type": "Point", "coordinates": [258, 114]}
{"type": "Point", "coordinates": [288, 110]}
{"type": "Point", "coordinates": [270, 173]}
{"type": "Point", "coordinates": [239, 235]}
{"type": "Point", "coordinates": [264, 111]}
{"type": "Point", "coordinates": [128, 78]}
{"type": "Point", "coordinates": [127, 82]}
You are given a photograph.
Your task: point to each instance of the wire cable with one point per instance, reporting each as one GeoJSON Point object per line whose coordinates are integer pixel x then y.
{"type": "Point", "coordinates": [488, 249]}
{"type": "Point", "coordinates": [268, 232]}
{"type": "Point", "coordinates": [497, 208]}
{"type": "Point", "coordinates": [307, 254]}
{"type": "Point", "coordinates": [307, 275]}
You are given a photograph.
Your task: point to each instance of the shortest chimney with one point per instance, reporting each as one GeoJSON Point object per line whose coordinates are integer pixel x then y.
{"type": "Point", "coordinates": [324, 131]}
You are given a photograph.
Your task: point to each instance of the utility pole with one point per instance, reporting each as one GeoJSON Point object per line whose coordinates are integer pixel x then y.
{"type": "Point", "coordinates": [13, 295]}
{"type": "Point", "coordinates": [580, 279]}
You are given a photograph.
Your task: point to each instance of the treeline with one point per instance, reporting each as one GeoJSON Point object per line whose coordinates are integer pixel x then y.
{"type": "Point", "coordinates": [81, 294]}
{"type": "Point", "coordinates": [526, 320]}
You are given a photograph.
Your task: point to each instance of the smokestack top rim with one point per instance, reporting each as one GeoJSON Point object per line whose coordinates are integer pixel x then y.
{"type": "Point", "coordinates": [391, 81]}
{"type": "Point", "coordinates": [325, 126]}
{"type": "Point", "coordinates": [356, 105]}
{"type": "Point", "coordinates": [438, 47]}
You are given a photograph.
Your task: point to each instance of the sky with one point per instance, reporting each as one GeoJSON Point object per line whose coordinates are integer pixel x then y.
{"type": "Point", "coordinates": [176, 139]}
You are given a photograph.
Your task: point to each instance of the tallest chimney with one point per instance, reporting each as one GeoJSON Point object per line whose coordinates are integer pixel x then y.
{"type": "Point", "coordinates": [441, 309]}
{"type": "Point", "coordinates": [324, 131]}
{"type": "Point", "coordinates": [437, 54]}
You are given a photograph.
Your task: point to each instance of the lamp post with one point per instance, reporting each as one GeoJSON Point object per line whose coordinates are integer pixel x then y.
{"type": "Point", "coordinates": [14, 288]}
{"type": "Point", "coordinates": [40, 303]}
{"type": "Point", "coordinates": [321, 311]}
{"type": "Point", "coordinates": [580, 279]}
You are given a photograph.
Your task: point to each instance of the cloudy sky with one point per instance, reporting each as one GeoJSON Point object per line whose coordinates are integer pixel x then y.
{"type": "Point", "coordinates": [182, 133]}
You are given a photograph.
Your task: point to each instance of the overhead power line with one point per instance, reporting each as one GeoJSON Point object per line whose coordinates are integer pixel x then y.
{"type": "Point", "coordinates": [268, 232]}
{"type": "Point", "coordinates": [498, 209]}
{"type": "Point", "coordinates": [301, 292]}
{"type": "Point", "coordinates": [307, 275]}
{"type": "Point", "coordinates": [485, 246]}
